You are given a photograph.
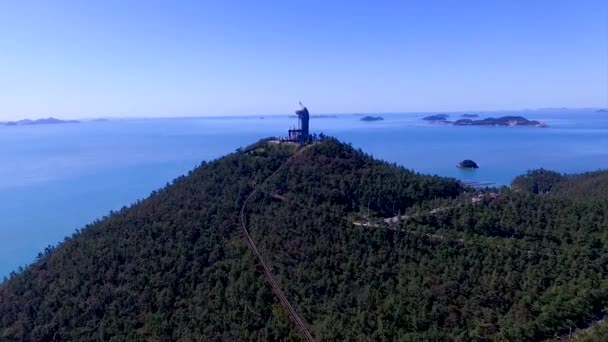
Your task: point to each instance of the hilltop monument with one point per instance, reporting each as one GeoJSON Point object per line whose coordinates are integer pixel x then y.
{"type": "Point", "coordinates": [301, 133]}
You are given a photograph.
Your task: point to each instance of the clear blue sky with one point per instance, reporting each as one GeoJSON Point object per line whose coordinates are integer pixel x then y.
{"type": "Point", "coordinates": [179, 58]}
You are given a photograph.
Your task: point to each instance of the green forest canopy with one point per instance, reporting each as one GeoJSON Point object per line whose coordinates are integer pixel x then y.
{"type": "Point", "coordinates": [527, 264]}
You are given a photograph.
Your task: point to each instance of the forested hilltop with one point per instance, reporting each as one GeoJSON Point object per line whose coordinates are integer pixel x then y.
{"type": "Point", "coordinates": [363, 249]}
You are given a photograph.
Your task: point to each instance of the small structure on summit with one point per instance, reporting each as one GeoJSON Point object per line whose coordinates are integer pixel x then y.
{"type": "Point", "coordinates": [301, 133]}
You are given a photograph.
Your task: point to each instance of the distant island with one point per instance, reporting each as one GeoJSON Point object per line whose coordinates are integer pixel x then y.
{"type": "Point", "coordinates": [372, 118]}
{"type": "Point", "coordinates": [29, 122]}
{"type": "Point", "coordinates": [502, 121]}
{"type": "Point", "coordinates": [602, 111]}
{"type": "Point", "coordinates": [467, 164]}
{"type": "Point", "coordinates": [470, 115]}
{"type": "Point", "coordinates": [436, 117]}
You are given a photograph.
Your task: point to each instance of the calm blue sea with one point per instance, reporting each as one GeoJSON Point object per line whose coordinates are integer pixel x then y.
{"type": "Point", "coordinates": [57, 178]}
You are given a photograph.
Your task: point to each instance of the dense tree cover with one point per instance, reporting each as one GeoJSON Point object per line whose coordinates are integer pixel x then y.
{"type": "Point", "coordinates": [584, 185]}
{"type": "Point", "coordinates": [560, 245]}
{"type": "Point", "coordinates": [525, 265]}
{"type": "Point", "coordinates": [537, 181]}
{"type": "Point", "coordinates": [518, 267]}
{"type": "Point", "coordinates": [168, 268]}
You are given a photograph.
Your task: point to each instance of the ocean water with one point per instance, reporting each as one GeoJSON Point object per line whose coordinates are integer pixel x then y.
{"type": "Point", "coordinates": [57, 178]}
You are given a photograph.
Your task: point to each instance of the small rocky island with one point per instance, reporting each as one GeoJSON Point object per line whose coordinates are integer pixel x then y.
{"type": "Point", "coordinates": [372, 118]}
{"type": "Point", "coordinates": [437, 118]}
{"type": "Point", "coordinates": [48, 121]}
{"type": "Point", "coordinates": [470, 115]}
{"type": "Point", "coordinates": [467, 164]}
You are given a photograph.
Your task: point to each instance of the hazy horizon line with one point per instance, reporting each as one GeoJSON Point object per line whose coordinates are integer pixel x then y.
{"type": "Point", "coordinates": [89, 118]}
